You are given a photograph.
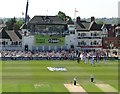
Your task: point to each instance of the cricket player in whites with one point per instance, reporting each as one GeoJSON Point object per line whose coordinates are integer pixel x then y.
{"type": "Point", "coordinates": [75, 81]}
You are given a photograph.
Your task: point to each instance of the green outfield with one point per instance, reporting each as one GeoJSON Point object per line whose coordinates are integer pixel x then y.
{"type": "Point", "coordinates": [33, 76]}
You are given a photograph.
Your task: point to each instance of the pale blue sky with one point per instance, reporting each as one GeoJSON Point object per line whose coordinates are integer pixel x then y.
{"type": "Point", "coordinates": [85, 8]}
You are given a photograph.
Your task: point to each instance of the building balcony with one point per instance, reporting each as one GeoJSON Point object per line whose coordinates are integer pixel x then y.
{"type": "Point", "coordinates": [89, 46]}
{"type": "Point", "coordinates": [89, 38]}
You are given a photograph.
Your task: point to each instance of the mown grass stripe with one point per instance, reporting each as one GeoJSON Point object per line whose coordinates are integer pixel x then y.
{"type": "Point", "coordinates": [26, 88]}
{"type": "Point", "coordinates": [106, 88]}
{"type": "Point", "coordinates": [90, 87]}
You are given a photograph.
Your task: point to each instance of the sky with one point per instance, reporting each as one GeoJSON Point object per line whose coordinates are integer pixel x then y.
{"type": "Point", "coordinates": [85, 8]}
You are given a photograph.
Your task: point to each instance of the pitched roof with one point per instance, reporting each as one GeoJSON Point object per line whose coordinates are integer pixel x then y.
{"type": "Point", "coordinates": [9, 35]}
{"type": "Point", "coordinates": [95, 26]}
{"type": "Point", "coordinates": [13, 35]}
{"type": "Point", "coordinates": [87, 26]}
{"type": "Point", "coordinates": [4, 34]}
{"type": "Point", "coordinates": [46, 20]}
{"type": "Point", "coordinates": [24, 26]}
{"type": "Point", "coordinates": [83, 26]}
{"type": "Point", "coordinates": [69, 22]}
{"type": "Point", "coordinates": [19, 34]}
{"type": "Point", "coordinates": [106, 26]}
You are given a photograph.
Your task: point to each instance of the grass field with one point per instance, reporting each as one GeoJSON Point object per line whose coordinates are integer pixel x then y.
{"type": "Point", "coordinates": [33, 76]}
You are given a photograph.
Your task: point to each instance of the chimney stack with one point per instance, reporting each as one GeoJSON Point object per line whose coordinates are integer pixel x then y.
{"type": "Point", "coordinates": [78, 19]}
{"type": "Point", "coordinates": [92, 18]}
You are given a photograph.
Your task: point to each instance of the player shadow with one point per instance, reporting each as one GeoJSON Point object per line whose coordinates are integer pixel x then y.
{"type": "Point", "coordinates": [94, 82]}
{"type": "Point", "coordinates": [72, 83]}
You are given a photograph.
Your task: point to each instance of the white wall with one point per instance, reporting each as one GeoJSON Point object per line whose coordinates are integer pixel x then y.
{"type": "Point", "coordinates": [28, 40]}
{"type": "Point", "coordinates": [71, 40]}
{"type": "Point", "coordinates": [71, 27]}
{"type": "Point", "coordinates": [25, 30]}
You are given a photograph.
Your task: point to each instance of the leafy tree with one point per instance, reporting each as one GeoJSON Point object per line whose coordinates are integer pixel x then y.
{"type": "Point", "coordinates": [18, 24]}
{"type": "Point", "coordinates": [63, 16]}
{"type": "Point", "coordinates": [13, 24]}
{"type": "Point", "coordinates": [10, 23]}
{"type": "Point", "coordinates": [68, 18]}
{"type": "Point", "coordinates": [100, 22]}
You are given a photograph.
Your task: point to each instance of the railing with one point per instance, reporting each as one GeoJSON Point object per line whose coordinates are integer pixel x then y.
{"type": "Point", "coordinates": [89, 38]}
{"type": "Point", "coordinates": [53, 58]}
{"type": "Point", "coordinates": [11, 46]}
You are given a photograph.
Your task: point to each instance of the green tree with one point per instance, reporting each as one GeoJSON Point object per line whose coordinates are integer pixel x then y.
{"type": "Point", "coordinates": [63, 16]}
{"type": "Point", "coordinates": [18, 24]}
{"type": "Point", "coordinates": [13, 24]}
{"type": "Point", "coordinates": [10, 23]}
{"type": "Point", "coordinates": [68, 18]}
{"type": "Point", "coordinates": [100, 22]}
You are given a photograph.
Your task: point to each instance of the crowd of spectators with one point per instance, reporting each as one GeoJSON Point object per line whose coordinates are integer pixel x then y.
{"type": "Point", "coordinates": [54, 54]}
{"type": "Point", "coordinates": [62, 53]}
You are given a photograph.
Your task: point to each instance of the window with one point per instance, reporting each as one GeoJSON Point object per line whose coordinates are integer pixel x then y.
{"type": "Point", "coordinates": [79, 44]}
{"type": "Point", "coordinates": [3, 43]}
{"type": "Point", "coordinates": [78, 34]}
{"type": "Point", "coordinates": [13, 43]}
{"type": "Point", "coordinates": [20, 43]}
{"type": "Point", "coordinates": [16, 43]}
{"type": "Point", "coordinates": [91, 43]}
{"type": "Point", "coordinates": [6, 43]}
{"type": "Point", "coordinates": [72, 32]}
{"type": "Point", "coordinates": [95, 34]}
{"type": "Point", "coordinates": [91, 34]}
{"type": "Point", "coordinates": [83, 34]}
{"type": "Point", "coordinates": [95, 43]}
{"type": "Point", "coordinates": [83, 43]}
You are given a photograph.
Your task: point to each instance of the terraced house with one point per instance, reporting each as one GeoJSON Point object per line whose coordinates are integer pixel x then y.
{"type": "Point", "coordinates": [89, 35]}
{"type": "Point", "coordinates": [10, 40]}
